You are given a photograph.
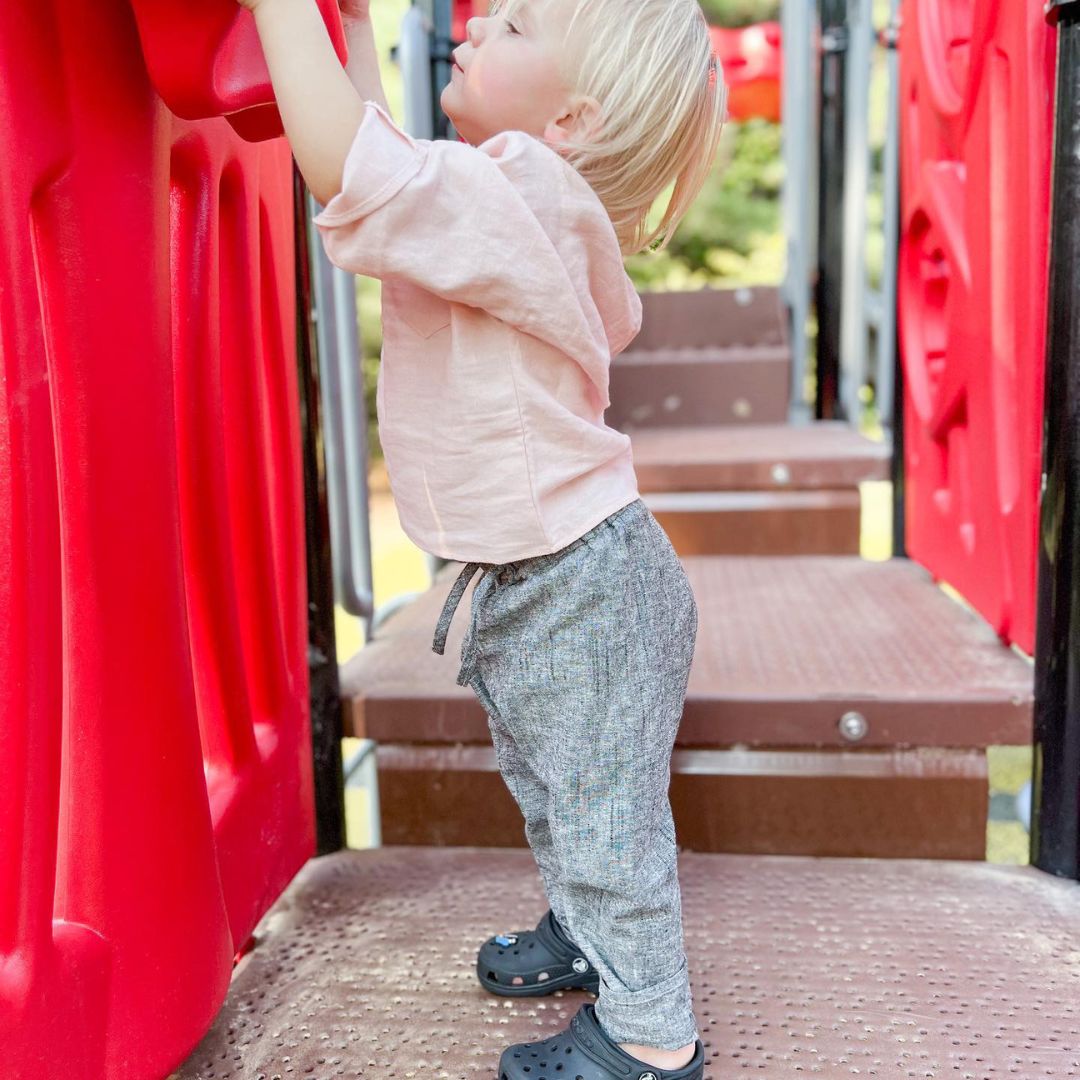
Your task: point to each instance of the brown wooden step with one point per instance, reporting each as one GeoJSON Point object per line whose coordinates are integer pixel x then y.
{"type": "Point", "coordinates": [672, 387]}
{"type": "Point", "coordinates": [834, 968]}
{"type": "Point", "coordinates": [762, 489]}
{"type": "Point", "coordinates": [708, 356]}
{"type": "Point", "coordinates": [827, 454]}
{"type": "Point", "coordinates": [712, 318]}
{"type": "Point", "coordinates": [786, 647]}
{"type": "Point", "coordinates": [794, 655]}
{"type": "Point", "coordinates": [825, 522]}
{"type": "Point", "coordinates": [926, 803]}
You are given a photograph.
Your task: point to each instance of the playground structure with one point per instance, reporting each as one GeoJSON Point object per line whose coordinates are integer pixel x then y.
{"type": "Point", "coordinates": [172, 709]}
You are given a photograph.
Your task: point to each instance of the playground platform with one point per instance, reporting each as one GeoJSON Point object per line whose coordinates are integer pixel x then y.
{"type": "Point", "coordinates": [843, 967]}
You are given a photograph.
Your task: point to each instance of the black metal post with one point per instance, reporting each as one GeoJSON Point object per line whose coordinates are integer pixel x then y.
{"type": "Point", "coordinates": [326, 719]}
{"type": "Point", "coordinates": [896, 464]}
{"type": "Point", "coordinates": [1055, 819]}
{"type": "Point", "coordinates": [827, 288]}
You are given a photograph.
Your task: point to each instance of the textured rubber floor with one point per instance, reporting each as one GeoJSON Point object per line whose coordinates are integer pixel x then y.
{"type": "Point", "coordinates": [800, 967]}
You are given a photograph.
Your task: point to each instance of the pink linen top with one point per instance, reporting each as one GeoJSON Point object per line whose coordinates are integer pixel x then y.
{"type": "Point", "coordinates": [504, 298]}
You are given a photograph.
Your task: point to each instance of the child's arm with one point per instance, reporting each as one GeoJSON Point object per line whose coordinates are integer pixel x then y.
{"type": "Point", "coordinates": [320, 108]}
{"type": "Point", "coordinates": [363, 65]}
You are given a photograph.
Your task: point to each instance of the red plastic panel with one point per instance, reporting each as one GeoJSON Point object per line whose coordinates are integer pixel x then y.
{"type": "Point", "coordinates": [976, 130]}
{"type": "Point", "coordinates": [155, 748]}
{"type": "Point", "coordinates": [752, 61]}
{"type": "Point", "coordinates": [205, 59]}
{"type": "Point", "coordinates": [751, 56]}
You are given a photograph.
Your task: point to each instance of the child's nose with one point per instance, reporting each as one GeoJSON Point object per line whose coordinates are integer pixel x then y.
{"type": "Point", "coordinates": [472, 28]}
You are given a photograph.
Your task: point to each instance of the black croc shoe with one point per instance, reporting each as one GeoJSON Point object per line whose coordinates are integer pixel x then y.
{"type": "Point", "coordinates": [545, 959]}
{"type": "Point", "coordinates": [584, 1052]}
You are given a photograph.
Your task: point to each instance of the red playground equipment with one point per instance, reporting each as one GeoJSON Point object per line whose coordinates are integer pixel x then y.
{"type": "Point", "coordinates": [753, 66]}
{"type": "Point", "coordinates": [171, 719]}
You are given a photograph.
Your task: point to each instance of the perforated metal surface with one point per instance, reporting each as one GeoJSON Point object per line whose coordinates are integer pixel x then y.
{"type": "Point", "coordinates": [832, 968]}
{"type": "Point", "coordinates": [786, 646]}
{"type": "Point", "coordinates": [756, 457]}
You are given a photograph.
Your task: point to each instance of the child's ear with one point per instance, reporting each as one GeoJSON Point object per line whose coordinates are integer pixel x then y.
{"type": "Point", "coordinates": [581, 121]}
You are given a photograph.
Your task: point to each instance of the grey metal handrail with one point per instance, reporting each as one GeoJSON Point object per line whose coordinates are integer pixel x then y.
{"type": "Point", "coordinates": [862, 306]}
{"type": "Point", "coordinates": [797, 128]}
{"type": "Point", "coordinates": [345, 431]}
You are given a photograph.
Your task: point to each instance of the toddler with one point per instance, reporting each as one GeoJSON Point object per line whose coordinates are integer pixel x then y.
{"type": "Point", "coordinates": [504, 298]}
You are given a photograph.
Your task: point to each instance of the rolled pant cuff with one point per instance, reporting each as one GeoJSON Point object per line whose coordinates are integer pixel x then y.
{"type": "Point", "coordinates": [660, 1015]}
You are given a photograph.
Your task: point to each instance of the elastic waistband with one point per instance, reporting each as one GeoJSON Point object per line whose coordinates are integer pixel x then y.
{"type": "Point", "coordinates": [522, 568]}
{"type": "Point", "coordinates": [627, 515]}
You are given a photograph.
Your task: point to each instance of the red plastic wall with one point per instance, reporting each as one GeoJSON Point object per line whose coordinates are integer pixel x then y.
{"type": "Point", "coordinates": [155, 743]}
{"type": "Point", "coordinates": [976, 130]}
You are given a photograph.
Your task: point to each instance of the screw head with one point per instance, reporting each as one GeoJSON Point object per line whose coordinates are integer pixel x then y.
{"type": "Point", "coordinates": [853, 726]}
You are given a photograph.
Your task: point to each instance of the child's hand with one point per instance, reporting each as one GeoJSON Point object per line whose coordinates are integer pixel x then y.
{"type": "Point", "coordinates": [352, 10]}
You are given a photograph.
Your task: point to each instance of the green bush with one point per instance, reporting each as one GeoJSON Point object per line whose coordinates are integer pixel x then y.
{"type": "Point", "coordinates": [732, 13]}
{"type": "Point", "coordinates": [733, 231]}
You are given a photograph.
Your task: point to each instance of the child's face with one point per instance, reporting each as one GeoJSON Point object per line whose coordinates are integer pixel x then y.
{"type": "Point", "coordinates": [508, 79]}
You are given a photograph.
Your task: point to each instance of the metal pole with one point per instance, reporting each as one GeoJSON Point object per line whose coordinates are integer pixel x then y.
{"type": "Point", "coordinates": [326, 720]}
{"type": "Point", "coordinates": [896, 461]}
{"type": "Point", "coordinates": [414, 61]}
{"type": "Point", "coordinates": [886, 329]}
{"type": "Point", "coordinates": [889, 384]}
{"type": "Point", "coordinates": [853, 328]}
{"type": "Point", "coordinates": [829, 287]}
{"type": "Point", "coordinates": [797, 135]}
{"type": "Point", "coordinates": [345, 430]}
{"type": "Point", "coordinates": [1055, 826]}
{"type": "Point", "coordinates": [438, 20]}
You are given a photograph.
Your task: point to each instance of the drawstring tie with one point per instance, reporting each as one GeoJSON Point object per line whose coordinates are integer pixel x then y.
{"type": "Point", "coordinates": [456, 591]}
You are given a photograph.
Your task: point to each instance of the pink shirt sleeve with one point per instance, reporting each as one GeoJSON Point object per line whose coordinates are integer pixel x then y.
{"type": "Point", "coordinates": [445, 216]}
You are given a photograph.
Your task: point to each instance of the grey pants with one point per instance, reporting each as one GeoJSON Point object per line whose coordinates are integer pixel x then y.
{"type": "Point", "coordinates": [581, 660]}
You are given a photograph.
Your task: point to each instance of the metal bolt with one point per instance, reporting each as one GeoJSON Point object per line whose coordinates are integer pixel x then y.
{"type": "Point", "coordinates": [853, 726]}
{"type": "Point", "coordinates": [741, 408]}
{"type": "Point", "coordinates": [781, 474]}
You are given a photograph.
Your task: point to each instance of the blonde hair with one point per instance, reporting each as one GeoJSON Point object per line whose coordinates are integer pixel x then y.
{"type": "Point", "coordinates": [650, 65]}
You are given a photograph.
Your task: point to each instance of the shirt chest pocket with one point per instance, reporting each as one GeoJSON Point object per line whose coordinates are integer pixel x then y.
{"type": "Point", "coordinates": [424, 313]}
